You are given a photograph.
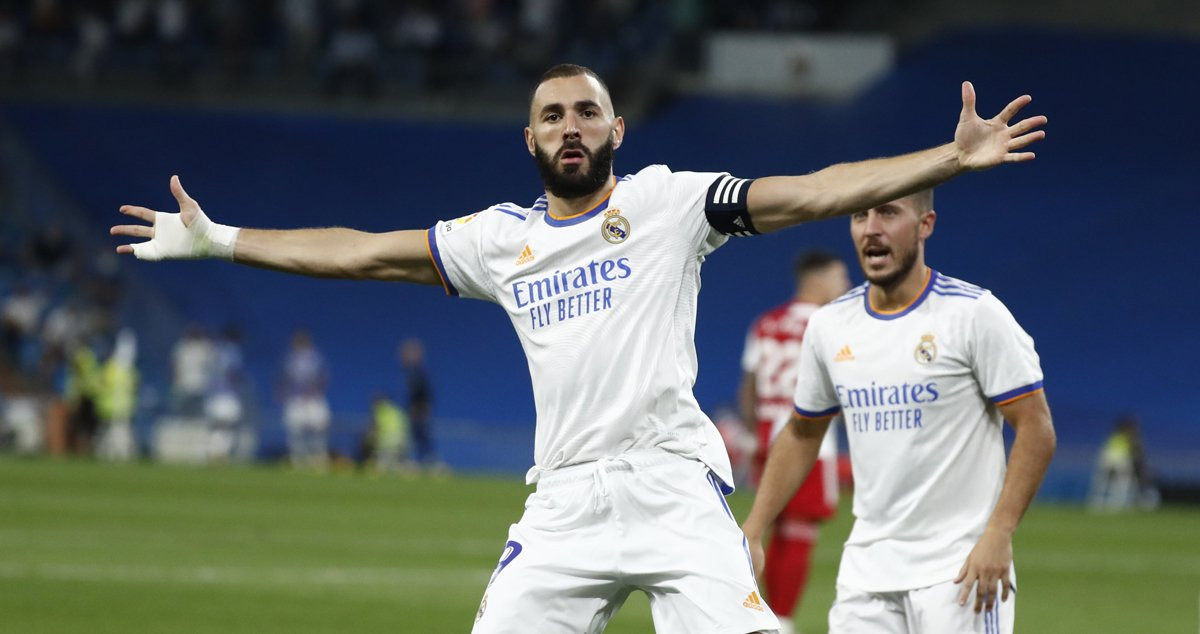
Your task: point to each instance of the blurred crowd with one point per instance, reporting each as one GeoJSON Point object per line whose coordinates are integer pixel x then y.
{"type": "Point", "coordinates": [368, 47]}
{"type": "Point", "coordinates": [60, 334]}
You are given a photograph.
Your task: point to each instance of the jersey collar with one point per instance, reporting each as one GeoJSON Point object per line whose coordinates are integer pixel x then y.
{"type": "Point", "coordinates": [888, 315]}
{"type": "Point", "coordinates": [567, 221]}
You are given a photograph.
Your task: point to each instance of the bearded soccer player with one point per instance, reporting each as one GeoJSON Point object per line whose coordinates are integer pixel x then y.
{"type": "Point", "coordinates": [925, 369]}
{"type": "Point", "coordinates": [768, 382]}
{"type": "Point", "coordinates": [629, 490]}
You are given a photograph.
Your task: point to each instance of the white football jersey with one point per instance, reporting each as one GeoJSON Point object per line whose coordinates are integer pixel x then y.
{"type": "Point", "coordinates": [918, 389]}
{"type": "Point", "coordinates": [604, 303]}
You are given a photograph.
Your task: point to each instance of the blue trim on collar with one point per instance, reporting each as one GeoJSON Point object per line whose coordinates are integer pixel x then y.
{"type": "Point", "coordinates": [933, 276]}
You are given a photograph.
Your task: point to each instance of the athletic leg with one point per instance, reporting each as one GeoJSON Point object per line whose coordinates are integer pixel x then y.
{"type": "Point", "coordinates": [858, 612]}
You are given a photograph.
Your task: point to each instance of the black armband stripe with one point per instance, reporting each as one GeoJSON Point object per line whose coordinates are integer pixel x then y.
{"type": "Point", "coordinates": [725, 206]}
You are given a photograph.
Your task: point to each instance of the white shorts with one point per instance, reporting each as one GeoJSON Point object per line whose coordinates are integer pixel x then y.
{"type": "Point", "coordinates": [306, 412]}
{"type": "Point", "coordinates": [593, 533]}
{"type": "Point", "coordinates": [931, 610]}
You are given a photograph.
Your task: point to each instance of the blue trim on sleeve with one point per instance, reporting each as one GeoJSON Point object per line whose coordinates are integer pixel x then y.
{"type": "Point", "coordinates": [431, 238]}
{"type": "Point", "coordinates": [511, 213]}
{"type": "Point", "coordinates": [1021, 391]}
{"type": "Point", "coordinates": [821, 414]}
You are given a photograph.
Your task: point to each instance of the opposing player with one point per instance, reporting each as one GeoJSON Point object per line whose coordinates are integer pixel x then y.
{"type": "Point", "coordinates": [768, 383]}
{"type": "Point", "coordinates": [924, 368]}
{"type": "Point", "coordinates": [599, 277]}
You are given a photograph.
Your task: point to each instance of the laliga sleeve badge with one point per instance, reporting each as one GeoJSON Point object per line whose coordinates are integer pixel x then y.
{"type": "Point", "coordinates": [615, 227]}
{"type": "Point", "coordinates": [926, 351]}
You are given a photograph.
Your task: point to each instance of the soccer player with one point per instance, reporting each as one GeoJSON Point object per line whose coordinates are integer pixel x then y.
{"type": "Point", "coordinates": [306, 415]}
{"type": "Point", "coordinates": [768, 382]}
{"type": "Point", "coordinates": [599, 277]}
{"type": "Point", "coordinates": [924, 368]}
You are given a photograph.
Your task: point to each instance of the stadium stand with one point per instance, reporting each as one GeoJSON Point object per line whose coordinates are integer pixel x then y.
{"type": "Point", "coordinates": [1085, 246]}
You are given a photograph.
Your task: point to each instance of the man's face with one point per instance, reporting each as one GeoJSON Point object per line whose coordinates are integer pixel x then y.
{"type": "Point", "coordinates": [572, 135]}
{"type": "Point", "coordinates": [888, 240]}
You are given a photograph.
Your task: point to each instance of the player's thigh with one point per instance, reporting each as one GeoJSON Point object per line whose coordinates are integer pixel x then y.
{"type": "Point", "coordinates": [936, 609]}
{"type": "Point", "coordinates": [554, 574]}
{"type": "Point", "coordinates": [690, 555]}
{"type": "Point", "coordinates": [858, 612]}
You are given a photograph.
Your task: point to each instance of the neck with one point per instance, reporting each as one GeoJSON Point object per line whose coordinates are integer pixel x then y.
{"type": "Point", "coordinates": [810, 298]}
{"type": "Point", "coordinates": [567, 207]}
{"type": "Point", "coordinates": [903, 292]}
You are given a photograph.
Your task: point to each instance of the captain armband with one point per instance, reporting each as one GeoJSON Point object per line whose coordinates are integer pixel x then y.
{"type": "Point", "coordinates": [725, 206]}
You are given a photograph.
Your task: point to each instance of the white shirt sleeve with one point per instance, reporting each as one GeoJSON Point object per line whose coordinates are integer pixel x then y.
{"type": "Point", "coordinates": [456, 248]}
{"type": "Point", "coordinates": [688, 191]}
{"type": "Point", "coordinates": [1003, 358]}
{"type": "Point", "coordinates": [815, 395]}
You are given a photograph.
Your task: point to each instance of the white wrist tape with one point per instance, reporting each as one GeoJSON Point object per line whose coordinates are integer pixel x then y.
{"type": "Point", "coordinates": [174, 241]}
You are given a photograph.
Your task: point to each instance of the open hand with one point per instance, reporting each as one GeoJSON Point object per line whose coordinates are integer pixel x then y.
{"type": "Point", "coordinates": [989, 562]}
{"type": "Point", "coordinates": [188, 234]}
{"type": "Point", "coordinates": [987, 143]}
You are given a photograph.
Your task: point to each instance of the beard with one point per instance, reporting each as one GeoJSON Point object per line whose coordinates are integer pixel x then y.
{"type": "Point", "coordinates": [905, 261]}
{"type": "Point", "coordinates": [572, 182]}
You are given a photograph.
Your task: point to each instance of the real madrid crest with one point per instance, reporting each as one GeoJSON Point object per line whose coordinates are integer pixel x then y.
{"type": "Point", "coordinates": [615, 227]}
{"type": "Point", "coordinates": [926, 351]}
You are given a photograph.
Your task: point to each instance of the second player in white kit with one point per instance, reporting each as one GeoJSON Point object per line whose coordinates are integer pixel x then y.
{"type": "Point", "coordinates": [600, 278]}
{"type": "Point", "coordinates": [924, 386]}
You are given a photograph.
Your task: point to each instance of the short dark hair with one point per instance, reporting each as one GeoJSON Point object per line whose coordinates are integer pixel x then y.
{"type": "Point", "coordinates": [568, 70]}
{"type": "Point", "coordinates": [815, 261]}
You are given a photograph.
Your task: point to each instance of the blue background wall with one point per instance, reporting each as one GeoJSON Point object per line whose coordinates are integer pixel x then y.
{"type": "Point", "coordinates": [1085, 245]}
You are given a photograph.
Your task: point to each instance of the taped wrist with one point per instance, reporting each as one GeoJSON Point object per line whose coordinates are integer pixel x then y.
{"type": "Point", "coordinates": [212, 239]}
{"type": "Point", "coordinates": [725, 206]}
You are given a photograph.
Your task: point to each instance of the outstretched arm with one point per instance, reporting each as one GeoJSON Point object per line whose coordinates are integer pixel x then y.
{"type": "Point", "coordinates": [792, 456]}
{"type": "Point", "coordinates": [991, 558]}
{"type": "Point", "coordinates": [329, 252]}
{"type": "Point", "coordinates": [781, 201]}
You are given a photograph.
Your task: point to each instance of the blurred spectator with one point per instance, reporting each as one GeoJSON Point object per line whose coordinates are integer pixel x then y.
{"type": "Point", "coordinates": [80, 392]}
{"type": "Point", "coordinates": [387, 437]}
{"type": "Point", "coordinates": [353, 56]}
{"type": "Point", "coordinates": [225, 407]}
{"type": "Point", "coordinates": [302, 33]}
{"type": "Point", "coordinates": [67, 325]}
{"type": "Point", "coordinates": [116, 399]}
{"type": "Point", "coordinates": [305, 408]}
{"type": "Point", "coordinates": [51, 249]}
{"type": "Point", "coordinates": [133, 25]}
{"type": "Point", "coordinates": [191, 367]}
{"type": "Point", "coordinates": [95, 40]}
{"type": "Point", "coordinates": [1121, 479]}
{"type": "Point", "coordinates": [19, 319]}
{"type": "Point", "coordinates": [50, 28]}
{"type": "Point", "coordinates": [173, 25]}
{"type": "Point", "coordinates": [11, 39]}
{"type": "Point", "coordinates": [420, 404]}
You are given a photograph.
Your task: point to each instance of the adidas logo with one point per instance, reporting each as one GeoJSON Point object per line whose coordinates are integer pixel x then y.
{"type": "Point", "coordinates": [753, 602]}
{"type": "Point", "coordinates": [844, 354]}
{"type": "Point", "coordinates": [526, 256]}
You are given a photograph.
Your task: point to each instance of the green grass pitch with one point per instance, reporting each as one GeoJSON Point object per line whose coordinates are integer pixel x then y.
{"type": "Point", "coordinates": [88, 547]}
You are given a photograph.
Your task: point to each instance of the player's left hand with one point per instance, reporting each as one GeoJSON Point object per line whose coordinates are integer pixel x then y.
{"type": "Point", "coordinates": [982, 144]}
{"type": "Point", "coordinates": [989, 562]}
